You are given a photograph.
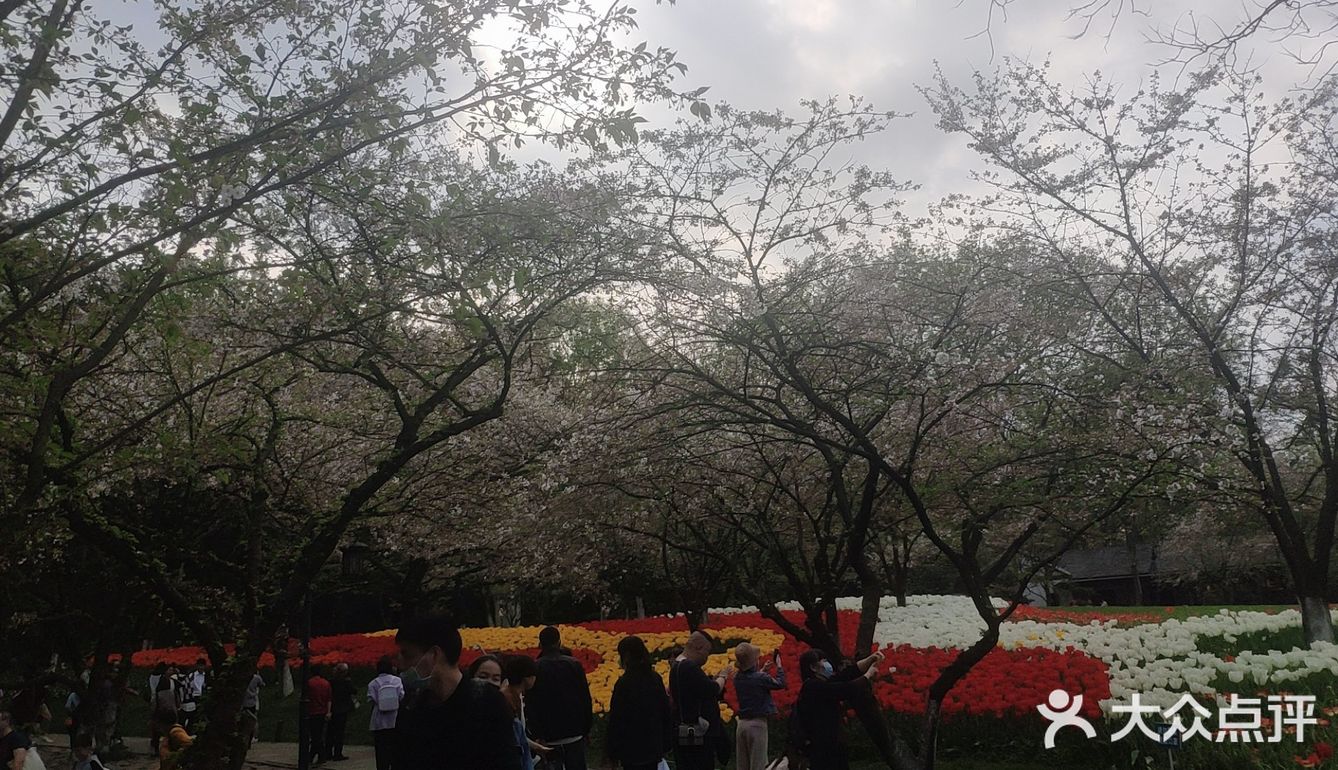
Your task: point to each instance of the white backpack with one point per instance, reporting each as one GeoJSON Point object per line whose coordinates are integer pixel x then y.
{"type": "Point", "coordinates": [31, 761]}
{"type": "Point", "coordinates": [387, 698]}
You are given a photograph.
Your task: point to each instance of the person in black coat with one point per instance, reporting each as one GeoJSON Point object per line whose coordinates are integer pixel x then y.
{"type": "Point", "coordinates": [696, 699]}
{"type": "Point", "coordinates": [641, 724]}
{"type": "Point", "coordinates": [558, 710]}
{"type": "Point", "coordinates": [343, 701]}
{"type": "Point", "coordinates": [822, 704]}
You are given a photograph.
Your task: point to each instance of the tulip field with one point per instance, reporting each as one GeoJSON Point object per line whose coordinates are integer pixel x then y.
{"type": "Point", "coordinates": [1103, 656]}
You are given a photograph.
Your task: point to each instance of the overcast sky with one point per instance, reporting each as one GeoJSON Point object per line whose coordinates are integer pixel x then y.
{"type": "Point", "coordinates": [772, 53]}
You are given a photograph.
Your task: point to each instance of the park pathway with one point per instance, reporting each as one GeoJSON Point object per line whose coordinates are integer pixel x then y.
{"type": "Point", "coordinates": [263, 756]}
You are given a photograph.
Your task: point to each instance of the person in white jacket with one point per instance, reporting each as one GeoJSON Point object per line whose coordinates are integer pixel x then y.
{"type": "Point", "coordinates": [386, 692]}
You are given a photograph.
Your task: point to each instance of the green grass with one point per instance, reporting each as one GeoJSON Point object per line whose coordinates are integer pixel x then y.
{"type": "Point", "coordinates": [1181, 612]}
{"type": "Point", "coordinates": [967, 764]}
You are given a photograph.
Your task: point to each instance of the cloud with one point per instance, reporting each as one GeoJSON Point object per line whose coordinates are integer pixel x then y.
{"type": "Point", "coordinates": [770, 54]}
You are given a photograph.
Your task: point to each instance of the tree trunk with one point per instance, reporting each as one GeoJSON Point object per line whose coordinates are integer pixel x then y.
{"type": "Point", "coordinates": [871, 585]}
{"type": "Point", "coordinates": [947, 679]}
{"type": "Point", "coordinates": [1316, 622]}
{"type": "Point", "coordinates": [899, 580]}
{"type": "Point", "coordinates": [868, 621]}
{"type": "Point", "coordinates": [830, 615]}
{"type": "Point", "coordinates": [1131, 541]}
{"type": "Point", "coordinates": [213, 748]}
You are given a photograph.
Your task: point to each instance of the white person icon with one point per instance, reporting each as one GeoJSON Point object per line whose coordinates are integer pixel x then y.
{"type": "Point", "coordinates": [1062, 711]}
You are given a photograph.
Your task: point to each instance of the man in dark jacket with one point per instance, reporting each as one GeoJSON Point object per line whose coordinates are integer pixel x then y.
{"type": "Point", "coordinates": [696, 699]}
{"type": "Point", "coordinates": [558, 710]}
{"type": "Point", "coordinates": [342, 703]}
{"type": "Point", "coordinates": [448, 721]}
{"type": "Point", "coordinates": [822, 705]}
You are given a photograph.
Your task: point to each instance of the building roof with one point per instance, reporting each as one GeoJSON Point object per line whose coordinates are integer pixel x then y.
{"type": "Point", "coordinates": [1114, 562]}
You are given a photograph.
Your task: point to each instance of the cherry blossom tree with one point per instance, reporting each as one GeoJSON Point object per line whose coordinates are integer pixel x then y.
{"type": "Point", "coordinates": [128, 151]}
{"type": "Point", "coordinates": [1305, 30]}
{"type": "Point", "coordinates": [950, 376]}
{"type": "Point", "coordinates": [1216, 206]}
{"type": "Point", "coordinates": [417, 309]}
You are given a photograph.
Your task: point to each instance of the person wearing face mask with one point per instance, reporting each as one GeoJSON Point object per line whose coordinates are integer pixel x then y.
{"type": "Point", "coordinates": [487, 668]}
{"type": "Point", "coordinates": [451, 721]}
{"type": "Point", "coordinates": [822, 703]}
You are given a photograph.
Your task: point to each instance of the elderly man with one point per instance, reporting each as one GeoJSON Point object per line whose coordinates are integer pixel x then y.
{"type": "Point", "coordinates": [343, 700]}
{"type": "Point", "coordinates": [753, 686]}
{"type": "Point", "coordinates": [701, 733]}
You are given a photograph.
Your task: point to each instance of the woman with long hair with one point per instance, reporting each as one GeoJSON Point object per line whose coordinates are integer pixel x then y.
{"type": "Point", "coordinates": [487, 667]}
{"type": "Point", "coordinates": [641, 724]}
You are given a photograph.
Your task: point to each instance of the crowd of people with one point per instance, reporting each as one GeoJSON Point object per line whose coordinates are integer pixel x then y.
{"type": "Point", "coordinates": [91, 714]}
{"type": "Point", "coordinates": [510, 712]}
{"type": "Point", "coordinates": [520, 713]}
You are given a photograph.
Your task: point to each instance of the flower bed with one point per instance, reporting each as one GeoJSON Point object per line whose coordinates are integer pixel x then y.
{"type": "Point", "coordinates": [1104, 657]}
{"type": "Point", "coordinates": [1006, 682]}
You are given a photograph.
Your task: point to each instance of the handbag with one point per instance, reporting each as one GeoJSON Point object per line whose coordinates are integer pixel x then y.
{"type": "Point", "coordinates": [664, 765]}
{"type": "Point", "coordinates": [693, 735]}
{"type": "Point", "coordinates": [689, 734]}
{"type": "Point", "coordinates": [31, 761]}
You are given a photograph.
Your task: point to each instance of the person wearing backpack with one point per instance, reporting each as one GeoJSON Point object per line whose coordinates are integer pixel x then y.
{"type": "Point", "coordinates": [192, 692]}
{"type": "Point", "coordinates": [385, 692]}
